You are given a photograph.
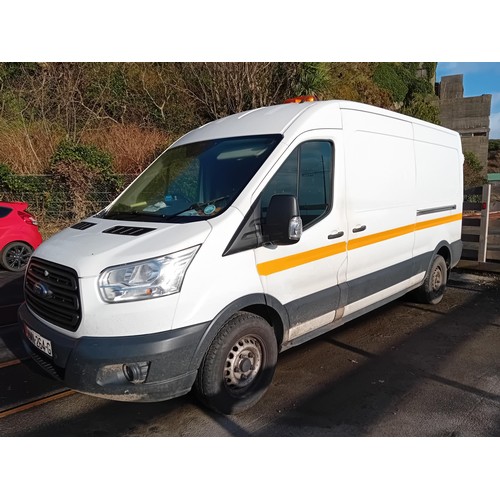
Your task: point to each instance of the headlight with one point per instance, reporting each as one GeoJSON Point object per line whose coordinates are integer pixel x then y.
{"type": "Point", "coordinates": [146, 279]}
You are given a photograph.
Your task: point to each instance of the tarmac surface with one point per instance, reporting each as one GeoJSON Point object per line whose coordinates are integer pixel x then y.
{"type": "Point", "coordinates": [403, 370]}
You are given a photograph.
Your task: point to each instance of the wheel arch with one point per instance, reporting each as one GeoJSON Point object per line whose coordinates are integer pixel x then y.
{"type": "Point", "coordinates": [261, 305]}
{"type": "Point", "coordinates": [450, 255]}
{"type": "Point", "coordinates": [17, 240]}
{"type": "Point", "coordinates": [271, 316]}
{"type": "Point", "coordinates": [445, 252]}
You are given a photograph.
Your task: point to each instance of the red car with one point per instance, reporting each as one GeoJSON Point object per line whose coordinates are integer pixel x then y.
{"type": "Point", "coordinates": [19, 235]}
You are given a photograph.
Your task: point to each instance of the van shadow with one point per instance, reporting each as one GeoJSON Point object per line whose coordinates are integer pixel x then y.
{"type": "Point", "coordinates": [440, 379]}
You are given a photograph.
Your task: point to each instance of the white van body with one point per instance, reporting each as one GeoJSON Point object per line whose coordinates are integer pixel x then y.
{"type": "Point", "coordinates": [380, 200]}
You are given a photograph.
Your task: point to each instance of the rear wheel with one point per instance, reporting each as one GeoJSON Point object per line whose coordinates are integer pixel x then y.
{"type": "Point", "coordinates": [434, 285]}
{"type": "Point", "coordinates": [239, 365]}
{"type": "Point", "coordinates": [15, 256]}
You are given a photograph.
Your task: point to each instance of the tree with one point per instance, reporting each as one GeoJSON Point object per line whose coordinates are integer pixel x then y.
{"type": "Point", "coordinates": [424, 107]}
{"type": "Point", "coordinates": [473, 170]}
{"type": "Point", "coordinates": [354, 82]}
{"type": "Point", "coordinates": [220, 89]}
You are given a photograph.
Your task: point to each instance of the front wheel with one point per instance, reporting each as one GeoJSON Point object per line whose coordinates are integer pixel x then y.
{"type": "Point", "coordinates": [239, 365]}
{"type": "Point", "coordinates": [434, 285]}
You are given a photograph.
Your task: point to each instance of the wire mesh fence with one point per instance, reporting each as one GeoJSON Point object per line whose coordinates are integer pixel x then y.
{"type": "Point", "coordinates": [59, 204]}
{"type": "Point", "coordinates": [56, 207]}
{"type": "Point", "coordinates": [51, 199]}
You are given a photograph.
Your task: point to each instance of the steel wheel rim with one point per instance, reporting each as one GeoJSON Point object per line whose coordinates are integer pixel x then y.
{"type": "Point", "coordinates": [437, 278]}
{"type": "Point", "coordinates": [18, 256]}
{"type": "Point", "coordinates": [243, 364]}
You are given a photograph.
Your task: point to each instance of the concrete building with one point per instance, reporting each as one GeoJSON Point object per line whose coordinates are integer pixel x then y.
{"type": "Point", "coordinates": [469, 116]}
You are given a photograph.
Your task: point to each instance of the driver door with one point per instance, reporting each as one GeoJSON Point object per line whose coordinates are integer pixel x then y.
{"type": "Point", "coordinates": [305, 277]}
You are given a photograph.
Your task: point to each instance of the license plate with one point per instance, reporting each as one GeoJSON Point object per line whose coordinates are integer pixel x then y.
{"type": "Point", "coordinates": [38, 341]}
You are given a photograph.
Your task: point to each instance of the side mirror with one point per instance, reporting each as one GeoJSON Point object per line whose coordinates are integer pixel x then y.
{"type": "Point", "coordinates": [283, 223]}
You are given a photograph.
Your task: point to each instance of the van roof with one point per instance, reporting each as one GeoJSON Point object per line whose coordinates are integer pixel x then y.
{"type": "Point", "coordinates": [279, 119]}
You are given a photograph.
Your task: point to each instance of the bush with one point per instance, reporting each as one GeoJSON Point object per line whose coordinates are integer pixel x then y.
{"type": "Point", "coordinates": [473, 170]}
{"type": "Point", "coordinates": [131, 146]}
{"type": "Point", "coordinates": [494, 145]}
{"type": "Point", "coordinates": [81, 177]}
{"type": "Point", "coordinates": [17, 184]}
{"type": "Point", "coordinates": [403, 82]}
{"type": "Point", "coordinates": [388, 77]}
{"type": "Point", "coordinates": [423, 107]}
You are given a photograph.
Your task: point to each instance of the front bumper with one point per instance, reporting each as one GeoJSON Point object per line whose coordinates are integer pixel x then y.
{"type": "Point", "coordinates": [94, 365]}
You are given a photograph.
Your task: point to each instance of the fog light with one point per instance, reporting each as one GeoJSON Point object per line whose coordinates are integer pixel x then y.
{"type": "Point", "coordinates": [136, 373]}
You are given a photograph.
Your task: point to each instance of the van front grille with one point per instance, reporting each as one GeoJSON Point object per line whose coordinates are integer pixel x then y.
{"type": "Point", "coordinates": [52, 292]}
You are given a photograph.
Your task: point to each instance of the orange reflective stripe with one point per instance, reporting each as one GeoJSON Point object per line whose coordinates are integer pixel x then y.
{"type": "Point", "coordinates": [376, 238]}
{"type": "Point", "coordinates": [298, 259]}
{"type": "Point", "coordinates": [277, 265]}
{"type": "Point", "coordinates": [438, 222]}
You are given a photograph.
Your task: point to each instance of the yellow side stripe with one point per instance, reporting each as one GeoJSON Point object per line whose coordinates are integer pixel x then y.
{"type": "Point", "coordinates": [400, 231]}
{"type": "Point", "coordinates": [298, 259]}
{"type": "Point", "coordinates": [277, 265]}
{"type": "Point", "coordinates": [378, 237]}
{"type": "Point", "coordinates": [438, 222]}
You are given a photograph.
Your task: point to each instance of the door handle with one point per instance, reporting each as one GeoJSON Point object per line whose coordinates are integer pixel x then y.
{"type": "Point", "coordinates": [335, 234]}
{"type": "Point", "coordinates": [359, 228]}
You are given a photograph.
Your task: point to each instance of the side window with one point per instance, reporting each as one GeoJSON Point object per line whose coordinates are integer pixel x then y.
{"type": "Point", "coordinates": [4, 211]}
{"type": "Point", "coordinates": [306, 174]}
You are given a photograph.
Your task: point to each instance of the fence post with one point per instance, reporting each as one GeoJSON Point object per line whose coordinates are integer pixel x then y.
{"type": "Point", "coordinates": [485, 218]}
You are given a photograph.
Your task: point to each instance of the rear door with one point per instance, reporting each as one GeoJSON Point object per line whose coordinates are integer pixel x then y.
{"type": "Point", "coordinates": [305, 276]}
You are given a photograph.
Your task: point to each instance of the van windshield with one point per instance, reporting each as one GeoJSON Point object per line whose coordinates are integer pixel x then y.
{"type": "Point", "coordinates": [193, 181]}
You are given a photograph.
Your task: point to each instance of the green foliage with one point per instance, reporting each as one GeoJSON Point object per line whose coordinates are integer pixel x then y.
{"type": "Point", "coordinates": [494, 145]}
{"type": "Point", "coordinates": [473, 170]}
{"type": "Point", "coordinates": [419, 86]}
{"type": "Point", "coordinates": [390, 77]}
{"type": "Point", "coordinates": [80, 171]}
{"type": "Point", "coordinates": [354, 82]}
{"type": "Point", "coordinates": [4, 175]}
{"type": "Point", "coordinates": [69, 151]}
{"type": "Point", "coordinates": [12, 71]}
{"type": "Point", "coordinates": [312, 79]}
{"type": "Point", "coordinates": [77, 157]}
{"type": "Point", "coordinates": [473, 161]}
{"type": "Point", "coordinates": [430, 68]}
{"type": "Point", "coordinates": [403, 82]}
{"type": "Point", "coordinates": [20, 184]}
{"type": "Point", "coordinates": [424, 107]}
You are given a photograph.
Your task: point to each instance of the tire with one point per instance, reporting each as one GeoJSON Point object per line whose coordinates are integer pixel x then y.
{"type": "Point", "coordinates": [239, 365]}
{"type": "Point", "coordinates": [15, 256]}
{"type": "Point", "coordinates": [434, 285]}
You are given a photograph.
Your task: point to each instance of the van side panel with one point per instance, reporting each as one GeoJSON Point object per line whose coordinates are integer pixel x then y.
{"type": "Point", "coordinates": [438, 189]}
{"type": "Point", "coordinates": [381, 204]}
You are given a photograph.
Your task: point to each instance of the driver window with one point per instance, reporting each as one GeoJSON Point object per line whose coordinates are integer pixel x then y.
{"type": "Point", "coordinates": [306, 174]}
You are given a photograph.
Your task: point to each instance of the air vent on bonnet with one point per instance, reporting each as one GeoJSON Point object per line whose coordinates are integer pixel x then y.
{"type": "Point", "coordinates": [83, 225]}
{"type": "Point", "coordinates": [129, 230]}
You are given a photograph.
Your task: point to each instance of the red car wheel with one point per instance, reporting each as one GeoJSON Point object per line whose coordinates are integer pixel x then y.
{"type": "Point", "coordinates": [15, 256]}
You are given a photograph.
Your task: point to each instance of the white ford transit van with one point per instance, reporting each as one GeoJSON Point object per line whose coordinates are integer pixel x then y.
{"type": "Point", "coordinates": [248, 236]}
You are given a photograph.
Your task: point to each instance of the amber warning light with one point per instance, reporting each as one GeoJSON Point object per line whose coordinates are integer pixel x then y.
{"type": "Point", "coordinates": [302, 98]}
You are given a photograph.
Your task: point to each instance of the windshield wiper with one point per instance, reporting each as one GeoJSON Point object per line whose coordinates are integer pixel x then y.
{"type": "Point", "coordinates": [122, 215]}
